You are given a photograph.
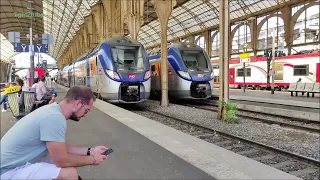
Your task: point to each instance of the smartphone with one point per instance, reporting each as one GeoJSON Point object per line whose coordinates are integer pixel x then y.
{"type": "Point", "coordinates": [108, 151]}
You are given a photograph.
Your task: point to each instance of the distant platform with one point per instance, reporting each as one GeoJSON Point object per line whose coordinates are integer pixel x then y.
{"type": "Point", "coordinates": [279, 97]}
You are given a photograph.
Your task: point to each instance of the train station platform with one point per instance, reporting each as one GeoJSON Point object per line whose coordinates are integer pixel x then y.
{"type": "Point", "coordinates": [279, 97]}
{"type": "Point", "coordinates": [145, 149]}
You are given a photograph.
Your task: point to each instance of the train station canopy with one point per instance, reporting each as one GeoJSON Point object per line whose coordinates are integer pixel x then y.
{"type": "Point", "coordinates": [62, 19]}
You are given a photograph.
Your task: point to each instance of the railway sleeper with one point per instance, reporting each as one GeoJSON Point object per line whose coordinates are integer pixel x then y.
{"type": "Point", "coordinates": [282, 164]}
{"type": "Point", "coordinates": [260, 158]}
{"type": "Point", "coordinates": [303, 172]}
{"type": "Point", "coordinates": [248, 152]}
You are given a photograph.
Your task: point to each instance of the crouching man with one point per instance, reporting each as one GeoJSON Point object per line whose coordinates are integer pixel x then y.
{"type": "Point", "coordinates": [35, 147]}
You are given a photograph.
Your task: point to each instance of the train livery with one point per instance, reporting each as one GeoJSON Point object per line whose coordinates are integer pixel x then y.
{"type": "Point", "coordinates": [117, 70]}
{"type": "Point", "coordinates": [190, 73]}
{"type": "Point", "coordinates": [288, 69]}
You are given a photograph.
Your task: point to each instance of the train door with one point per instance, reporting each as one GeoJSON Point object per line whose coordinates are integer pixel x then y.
{"type": "Point", "coordinates": [87, 76]}
{"type": "Point", "coordinates": [69, 78]}
{"type": "Point", "coordinates": [157, 78]}
{"type": "Point", "coordinates": [93, 74]}
{"type": "Point", "coordinates": [318, 73]}
{"type": "Point", "coordinates": [232, 75]}
{"type": "Point", "coordinates": [99, 75]}
{"type": "Point", "coordinates": [153, 76]}
{"type": "Point", "coordinates": [170, 77]}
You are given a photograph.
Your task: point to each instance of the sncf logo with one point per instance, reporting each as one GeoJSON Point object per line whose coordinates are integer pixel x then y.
{"type": "Point", "coordinates": [131, 76]}
{"type": "Point", "coordinates": [200, 75]}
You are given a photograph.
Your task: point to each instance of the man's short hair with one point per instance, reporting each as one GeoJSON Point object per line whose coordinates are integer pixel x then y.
{"type": "Point", "coordinates": [42, 78]}
{"type": "Point", "coordinates": [80, 93]}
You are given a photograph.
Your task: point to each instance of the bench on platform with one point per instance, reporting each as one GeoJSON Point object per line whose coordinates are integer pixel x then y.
{"type": "Point", "coordinates": [304, 88]}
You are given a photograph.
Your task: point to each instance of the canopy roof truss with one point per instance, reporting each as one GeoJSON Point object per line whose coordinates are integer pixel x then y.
{"type": "Point", "coordinates": [62, 18]}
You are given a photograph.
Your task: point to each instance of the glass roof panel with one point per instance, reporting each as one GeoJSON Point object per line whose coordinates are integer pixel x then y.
{"type": "Point", "coordinates": [178, 11]}
{"type": "Point", "coordinates": [266, 3]}
{"type": "Point", "coordinates": [180, 33]}
{"type": "Point", "coordinates": [189, 23]}
{"type": "Point", "coordinates": [67, 20]}
{"type": "Point", "coordinates": [63, 22]}
{"type": "Point", "coordinates": [194, 28]}
{"type": "Point", "coordinates": [169, 36]}
{"type": "Point", "coordinates": [199, 9]}
{"type": "Point", "coordinates": [206, 16]}
{"type": "Point", "coordinates": [6, 49]}
{"type": "Point", "coordinates": [211, 22]}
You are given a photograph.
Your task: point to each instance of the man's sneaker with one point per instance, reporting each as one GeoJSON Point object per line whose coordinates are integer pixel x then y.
{"type": "Point", "coordinates": [3, 110]}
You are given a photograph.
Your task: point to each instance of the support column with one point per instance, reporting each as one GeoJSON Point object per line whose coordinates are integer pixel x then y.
{"type": "Point", "coordinates": [163, 9]}
{"type": "Point", "coordinates": [254, 36]}
{"type": "Point", "coordinates": [288, 27]}
{"type": "Point", "coordinates": [85, 38]}
{"type": "Point", "coordinates": [98, 28]}
{"type": "Point", "coordinates": [224, 29]}
{"type": "Point", "coordinates": [135, 16]}
{"type": "Point", "coordinates": [207, 37]}
{"type": "Point", "coordinates": [89, 32]}
{"type": "Point", "coordinates": [115, 17]}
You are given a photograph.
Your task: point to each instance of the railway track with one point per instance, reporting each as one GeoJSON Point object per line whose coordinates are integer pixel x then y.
{"type": "Point", "coordinates": [301, 124]}
{"type": "Point", "coordinates": [295, 164]}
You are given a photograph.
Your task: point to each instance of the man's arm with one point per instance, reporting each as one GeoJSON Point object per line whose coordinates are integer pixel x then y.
{"type": "Point", "coordinates": [45, 91]}
{"type": "Point", "coordinates": [77, 150]}
{"type": "Point", "coordinates": [58, 152]}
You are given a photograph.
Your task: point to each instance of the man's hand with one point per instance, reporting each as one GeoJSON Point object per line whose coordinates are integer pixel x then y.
{"type": "Point", "coordinates": [98, 149]}
{"type": "Point", "coordinates": [97, 153]}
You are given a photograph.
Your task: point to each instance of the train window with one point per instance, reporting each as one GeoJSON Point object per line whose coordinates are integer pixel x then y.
{"type": "Point", "coordinates": [153, 68]}
{"type": "Point", "coordinates": [216, 79]}
{"type": "Point", "coordinates": [301, 70]}
{"type": "Point", "coordinates": [240, 72]}
{"type": "Point", "coordinates": [215, 66]}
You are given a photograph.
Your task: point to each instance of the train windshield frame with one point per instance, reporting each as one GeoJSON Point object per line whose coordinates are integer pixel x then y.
{"type": "Point", "coordinates": [195, 60]}
{"type": "Point", "coordinates": [128, 58]}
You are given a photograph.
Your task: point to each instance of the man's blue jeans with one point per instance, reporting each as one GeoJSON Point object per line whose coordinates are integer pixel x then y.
{"type": "Point", "coordinates": [4, 100]}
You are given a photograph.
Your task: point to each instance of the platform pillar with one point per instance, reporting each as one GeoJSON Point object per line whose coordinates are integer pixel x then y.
{"type": "Point", "coordinates": [115, 11]}
{"type": "Point", "coordinates": [135, 9]}
{"type": "Point", "coordinates": [163, 9]}
{"type": "Point", "coordinates": [288, 27]}
{"type": "Point", "coordinates": [224, 29]}
{"type": "Point", "coordinates": [97, 27]}
{"type": "Point", "coordinates": [254, 36]}
{"type": "Point", "coordinates": [208, 40]}
{"type": "Point", "coordinates": [89, 32]}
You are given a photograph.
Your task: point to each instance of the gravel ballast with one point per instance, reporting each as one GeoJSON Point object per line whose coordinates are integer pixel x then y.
{"type": "Point", "coordinates": [296, 141]}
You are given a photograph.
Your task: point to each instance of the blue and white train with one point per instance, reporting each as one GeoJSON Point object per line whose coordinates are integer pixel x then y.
{"type": "Point", "coordinates": [190, 74]}
{"type": "Point", "coordinates": [117, 70]}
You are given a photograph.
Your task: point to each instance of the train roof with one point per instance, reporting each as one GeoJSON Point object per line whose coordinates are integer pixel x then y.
{"type": "Point", "coordinates": [180, 45]}
{"type": "Point", "coordinates": [185, 45]}
{"type": "Point", "coordinates": [121, 40]}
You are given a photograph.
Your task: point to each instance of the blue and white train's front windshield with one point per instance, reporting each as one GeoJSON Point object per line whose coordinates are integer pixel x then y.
{"type": "Point", "coordinates": [128, 58]}
{"type": "Point", "coordinates": [195, 61]}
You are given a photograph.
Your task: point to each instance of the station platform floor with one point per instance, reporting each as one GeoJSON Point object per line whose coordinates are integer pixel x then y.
{"type": "Point", "coordinates": [279, 97]}
{"type": "Point", "coordinates": [145, 149]}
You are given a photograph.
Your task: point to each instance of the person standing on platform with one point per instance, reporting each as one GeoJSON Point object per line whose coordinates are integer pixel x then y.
{"type": "Point", "coordinates": [35, 147]}
{"type": "Point", "coordinates": [4, 99]}
{"type": "Point", "coordinates": [48, 80]}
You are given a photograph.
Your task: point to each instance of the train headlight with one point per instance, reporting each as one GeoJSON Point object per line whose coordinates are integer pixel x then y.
{"type": "Point", "coordinates": [112, 74]}
{"type": "Point", "coordinates": [212, 75]}
{"type": "Point", "coordinates": [147, 75]}
{"type": "Point", "coordinates": [184, 74]}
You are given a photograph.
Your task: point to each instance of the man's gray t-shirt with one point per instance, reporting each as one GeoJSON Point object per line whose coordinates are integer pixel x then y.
{"type": "Point", "coordinates": [26, 140]}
